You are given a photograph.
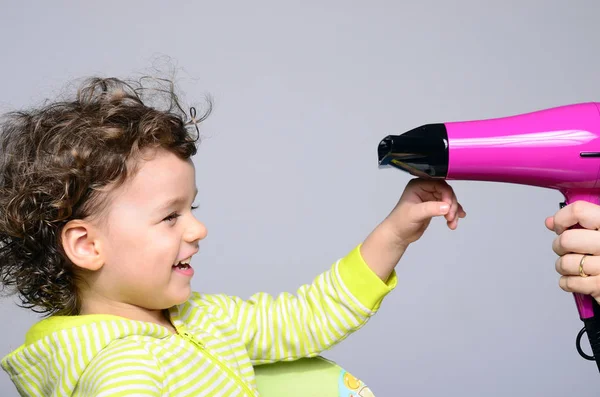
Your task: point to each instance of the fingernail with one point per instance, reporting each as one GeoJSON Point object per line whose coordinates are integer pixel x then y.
{"type": "Point", "coordinates": [444, 207]}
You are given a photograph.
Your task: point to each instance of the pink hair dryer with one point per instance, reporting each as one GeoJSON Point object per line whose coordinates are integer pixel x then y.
{"type": "Point", "coordinates": [557, 148]}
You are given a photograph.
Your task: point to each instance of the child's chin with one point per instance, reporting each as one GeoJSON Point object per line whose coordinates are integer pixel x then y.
{"type": "Point", "coordinates": [182, 296]}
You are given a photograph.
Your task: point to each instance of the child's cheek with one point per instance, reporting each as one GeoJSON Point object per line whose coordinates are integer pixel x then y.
{"type": "Point", "coordinates": [165, 248]}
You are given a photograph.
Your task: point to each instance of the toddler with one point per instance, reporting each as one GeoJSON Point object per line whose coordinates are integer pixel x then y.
{"type": "Point", "coordinates": [97, 232]}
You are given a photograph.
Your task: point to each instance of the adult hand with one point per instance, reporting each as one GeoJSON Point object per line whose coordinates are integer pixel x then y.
{"type": "Point", "coordinates": [578, 249]}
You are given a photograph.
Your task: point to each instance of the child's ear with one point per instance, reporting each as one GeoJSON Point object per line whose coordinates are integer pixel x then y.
{"type": "Point", "coordinates": [81, 245]}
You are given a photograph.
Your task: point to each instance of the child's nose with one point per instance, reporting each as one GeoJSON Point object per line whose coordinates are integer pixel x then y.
{"type": "Point", "coordinates": [196, 231]}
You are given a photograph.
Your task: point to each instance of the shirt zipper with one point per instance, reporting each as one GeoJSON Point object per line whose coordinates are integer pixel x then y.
{"type": "Point", "coordinates": [212, 357]}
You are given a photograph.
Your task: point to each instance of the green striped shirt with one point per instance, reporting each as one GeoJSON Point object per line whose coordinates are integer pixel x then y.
{"type": "Point", "coordinates": [218, 342]}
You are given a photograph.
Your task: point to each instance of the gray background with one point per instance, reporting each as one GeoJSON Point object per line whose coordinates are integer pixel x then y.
{"type": "Point", "coordinates": [288, 172]}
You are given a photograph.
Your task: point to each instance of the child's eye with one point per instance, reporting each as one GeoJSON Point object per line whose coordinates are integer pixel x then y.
{"type": "Point", "coordinates": [176, 215]}
{"type": "Point", "coordinates": [172, 217]}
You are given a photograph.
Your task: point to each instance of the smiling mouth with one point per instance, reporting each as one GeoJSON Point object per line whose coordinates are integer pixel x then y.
{"type": "Point", "coordinates": [184, 264]}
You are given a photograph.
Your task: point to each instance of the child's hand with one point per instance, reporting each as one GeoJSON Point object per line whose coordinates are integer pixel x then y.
{"type": "Point", "coordinates": [420, 201]}
{"type": "Point", "coordinates": [571, 245]}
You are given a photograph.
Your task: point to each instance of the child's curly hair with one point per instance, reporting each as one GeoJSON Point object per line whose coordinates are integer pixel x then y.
{"type": "Point", "coordinates": [56, 164]}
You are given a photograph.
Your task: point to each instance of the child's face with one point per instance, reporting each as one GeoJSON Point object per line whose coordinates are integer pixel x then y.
{"type": "Point", "coordinates": [150, 228]}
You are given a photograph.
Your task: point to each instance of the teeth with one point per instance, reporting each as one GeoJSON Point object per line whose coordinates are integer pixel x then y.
{"type": "Point", "coordinates": [183, 263]}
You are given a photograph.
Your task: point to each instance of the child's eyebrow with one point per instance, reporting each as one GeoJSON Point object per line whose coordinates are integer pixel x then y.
{"type": "Point", "coordinates": [175, 201]}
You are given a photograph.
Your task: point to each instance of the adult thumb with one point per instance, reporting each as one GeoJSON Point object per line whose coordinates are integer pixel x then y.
{"type": "Point", "coordinates": [429, 209]}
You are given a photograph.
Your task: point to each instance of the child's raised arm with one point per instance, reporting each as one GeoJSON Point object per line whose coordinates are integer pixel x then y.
{"type": "Point", "coordinates": [340, 300]}
{"type": "Point", "coordinates": [318, 316]}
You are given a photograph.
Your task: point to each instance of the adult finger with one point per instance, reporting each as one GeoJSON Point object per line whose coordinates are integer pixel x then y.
{"type": "Point", "coordinates": [579, 212]}
{"type": "Point", "coordinates": [568, 265]}
{"type": "Point", "coordinates": [582, 285]}
{"type": "Point", "coordinates": [581, 241]}
{"type": "Point", "coordinates": [549, 222]}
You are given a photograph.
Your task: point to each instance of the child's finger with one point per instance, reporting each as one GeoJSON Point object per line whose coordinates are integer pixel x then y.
{"type": "Point", "coordinates": [453, 224]}
{"type": "Point", "coordinates": [456, 212]}
{"type": "Point", "coordinates": [452, 221]}
{"type": "Point", "coordinates": [461, 211]}
{"type": "Point", "coordinates": [439, 189]}
{"type": "Point", "coordinates": [454, 208]}
{"type": "Point", "coordinates": [449, 197]}
{"type": "Point", "coordinates": [427, 210]}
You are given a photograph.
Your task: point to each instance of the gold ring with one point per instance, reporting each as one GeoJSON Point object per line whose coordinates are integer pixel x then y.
{"type": "Point", "coordinates": [581, 272]}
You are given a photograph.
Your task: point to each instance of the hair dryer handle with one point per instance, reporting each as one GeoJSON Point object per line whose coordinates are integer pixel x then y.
{"type": "Point", "coordinates": [589, 313]}
{"type": "Point", "coordinates": [587, 306]}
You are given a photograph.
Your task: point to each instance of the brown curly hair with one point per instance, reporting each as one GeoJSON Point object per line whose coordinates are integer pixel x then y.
{"type": "Point", "coordinates": [57, 163]}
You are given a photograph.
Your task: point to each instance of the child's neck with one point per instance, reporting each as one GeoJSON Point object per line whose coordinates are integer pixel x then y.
{"type": "Point", "coordinates": [128, 311]}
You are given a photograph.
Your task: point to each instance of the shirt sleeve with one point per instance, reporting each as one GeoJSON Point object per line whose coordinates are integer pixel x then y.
{"type": "Point", "coordinates": [123, 369]}
{"type": "Point", "coordinates": [320, 314]}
